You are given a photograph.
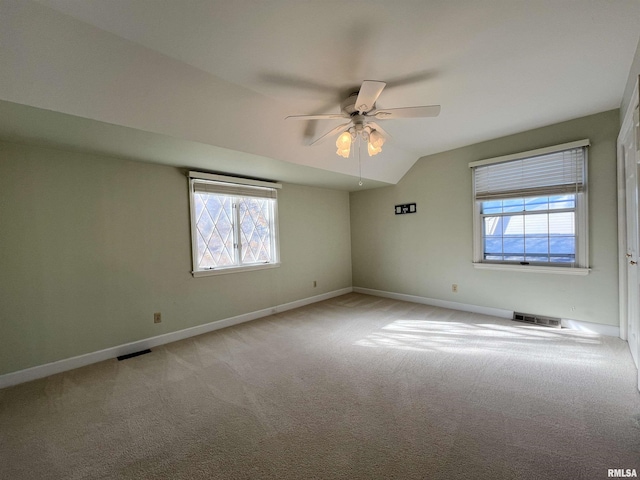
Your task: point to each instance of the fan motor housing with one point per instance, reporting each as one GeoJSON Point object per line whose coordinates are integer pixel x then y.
{"type": "Point", "coordinates": [348, 105]}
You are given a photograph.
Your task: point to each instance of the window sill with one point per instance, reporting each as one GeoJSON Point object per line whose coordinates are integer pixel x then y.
{"type": "Point", "coordinates": [224, 271]}
{"type": "Point", "coordinates": [533, 268]}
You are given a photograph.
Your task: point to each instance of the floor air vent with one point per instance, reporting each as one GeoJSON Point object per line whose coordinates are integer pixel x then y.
{"type": "Point", "coordinates": [134, 354]}
{"type": "Point", "coordinates": [537, 320]}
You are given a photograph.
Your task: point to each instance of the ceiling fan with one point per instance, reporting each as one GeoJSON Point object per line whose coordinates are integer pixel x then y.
{"type": "Point", "coordinates": [360, 109]}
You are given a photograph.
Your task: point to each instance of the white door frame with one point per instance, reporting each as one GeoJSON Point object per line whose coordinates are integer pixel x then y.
{"type": "Point", "coordinates": [622, 225]}
{"type": "Point", "coordinates": [629, 125]}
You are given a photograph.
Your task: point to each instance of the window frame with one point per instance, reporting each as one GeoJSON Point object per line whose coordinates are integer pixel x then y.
{"type": "Point", "coordinates": [201, 177]}
{"type": "Point", "coordinates": [581, 226]}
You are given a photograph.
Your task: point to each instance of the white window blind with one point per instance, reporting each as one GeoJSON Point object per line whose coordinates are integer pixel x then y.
{"type": "Point", "coordinates": [221, 188]}
{"type": "Point", "coordinates": [551, 173]}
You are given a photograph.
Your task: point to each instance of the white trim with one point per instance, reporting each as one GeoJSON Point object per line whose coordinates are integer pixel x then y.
{"type": "Point", "coordinates": [582, 220]}
{"type": "Point", "coordinates": [308, 301]}
{"type": "Point", "coordinates": [478, 251]}
{"type": "Point", "coordinates": [495, 312]}
{"type": "Point", "coordinates": [192, 226]}
{"type": "Point", "coordinates": [238, 180]}
{"type": "Point", "coordinates": [622, 239]}
{"type": "Point", "coordinates": [627, 124]}
{"type": "Point", "coordinates": [60, 366]}
{"type": "Point", "coordinates": [532, 268]}
{"type": "Point", "coordinates": [532, 153]}
{"type": "Point", "coordinates": [609, 330]}
{"type": "Point", "coordinates": [234, 269]}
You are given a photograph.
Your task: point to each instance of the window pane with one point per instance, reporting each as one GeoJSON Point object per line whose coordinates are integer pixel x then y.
{"type": "Point", "coordinates": [514, 245]}
{"type": "Point", "coordinates": [198, 204]}
{"type": "Point", "coordinates": [562, 201]}
{"type": "Point", "coordinates": [563, 259]}
{"type": "Point", "coordinates": [537, 245]}
{"type": "Point", "coordinates": [536, 257]}
{"type": "Point", "coordinates": [561, 244]}
{"type": "Point", "coordinates": [492, 210]}
{"type": "Point", "coordinates": [537, 203]}
{"type": "Point", "coordinates": [513, 205]}
{"type": "Point", "coordinates": [255, 230]}
{"type": "Point", "coordinates": [204, 221]}
{"type": "Point", "coordinates": [513, 225]}
{"type": "Point", "coordinates": [214, 226]}
{"type": "Point", "coordinates": [492, 245]}
{"type": "Point", "coordinates": [561, 223]}
{"type": "Point", "coordinates": [537, 224]}
{"type": "Point", "coordinates": [492, 226]}
{"type": "Point", "coordinates": [213, 204]}
{"type": "Point", "coordinates": [492, 206]}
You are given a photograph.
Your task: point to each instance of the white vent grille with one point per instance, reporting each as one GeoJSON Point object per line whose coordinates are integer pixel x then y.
{"type": "Point", "coordinates": [537, 320]}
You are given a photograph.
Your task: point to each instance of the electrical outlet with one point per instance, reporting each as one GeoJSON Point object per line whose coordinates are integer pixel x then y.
{"type": "Point", "coordinates": [315, 284]}
{"type": "Point", "coordinates": [157, 318]}
{"type": "Point", "coordinates": [454, 287]}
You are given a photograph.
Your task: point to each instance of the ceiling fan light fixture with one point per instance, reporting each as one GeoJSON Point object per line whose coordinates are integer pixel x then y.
{"type": "Point", "coordinates": [343, 143]}
{"type": "Point", "coordinates": [360, 108]}
{"type": "Point", "coordinates": [376, 140]}
{"type": "Point", "coordinates": [371, 150]}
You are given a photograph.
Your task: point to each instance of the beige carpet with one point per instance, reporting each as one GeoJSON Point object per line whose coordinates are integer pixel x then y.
{"type": "Point", "coordinates": [356, 387]}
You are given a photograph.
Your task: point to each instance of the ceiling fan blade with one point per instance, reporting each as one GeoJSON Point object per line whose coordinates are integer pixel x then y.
{"type": "Point", "coordinates": [368, 94]}
{"type": "Point", "coordinates": [377, 127]}
{"type": "Point", "coordinates": [407, 112]}
{"type": "Point", "coordinates": [339, 128]}
{"type": "Point", "coordinates": [326, 116]}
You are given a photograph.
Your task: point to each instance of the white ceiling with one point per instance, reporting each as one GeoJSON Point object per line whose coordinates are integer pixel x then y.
{"type": "Point", "coordinates": [225, 73]}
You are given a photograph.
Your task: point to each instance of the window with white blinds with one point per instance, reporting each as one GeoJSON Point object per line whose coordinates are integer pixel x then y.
{"type": "Point", "coordinates": [530, 208]}
{"type": "Point", "coordinates": [233, 224]}
{"type": "Point", "coordinates": [553, 173]}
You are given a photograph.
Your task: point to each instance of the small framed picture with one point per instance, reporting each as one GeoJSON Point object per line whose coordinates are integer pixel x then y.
{"type": "Point", "coordinates": [405, 208]}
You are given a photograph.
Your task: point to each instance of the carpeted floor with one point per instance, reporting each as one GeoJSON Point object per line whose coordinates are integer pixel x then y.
{"type": "Point", "coordinates": [356, 387]}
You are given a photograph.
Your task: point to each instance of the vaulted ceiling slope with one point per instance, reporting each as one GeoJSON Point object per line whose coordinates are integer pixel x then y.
{"type": "Point", "coordinates": [223, 74]}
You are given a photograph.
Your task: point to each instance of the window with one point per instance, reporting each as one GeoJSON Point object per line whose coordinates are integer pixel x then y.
{"type": "Point", "coordinates": [530, 210]}
{"type": "Point", "coordinates": [233, 224]}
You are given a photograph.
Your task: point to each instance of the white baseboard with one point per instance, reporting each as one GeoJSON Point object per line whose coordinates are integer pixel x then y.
{"type": "Point", "coordinates": [609, 330]}
{"type": "Point", "coordinates": [66, 364]}
{"type": "Point", "coordinates": [496, 312]}
{"type": "Point", "coordinates": [60, 366]}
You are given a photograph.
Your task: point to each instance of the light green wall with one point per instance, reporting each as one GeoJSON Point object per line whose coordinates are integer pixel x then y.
{"type": "Point", "coordinates": [91, 247]}
{"type": "Point", "coordinates": [424, 253]}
